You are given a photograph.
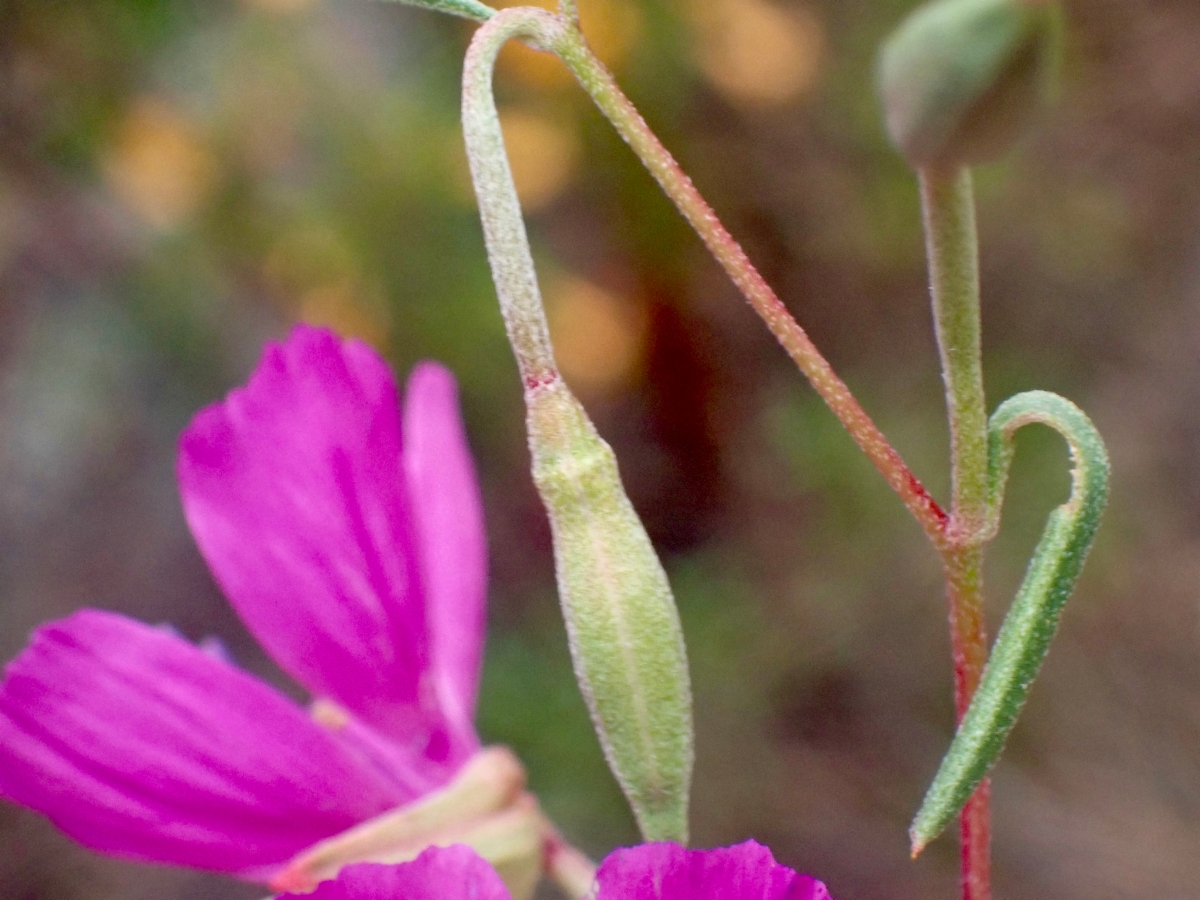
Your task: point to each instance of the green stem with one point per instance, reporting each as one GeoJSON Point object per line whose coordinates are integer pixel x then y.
{"type": "Point", "coordinates": [569, 10]}
{"type": "Point", "coordinates": [599, 83]}
{"type": "Point", "coordinates": [622, 625]}
{"type": "Point", "coordinates": [499, 208]}
{"type": "Point", "coordinates": [948, 204]}
{"type": "Point", "coordinates": [948, 207]}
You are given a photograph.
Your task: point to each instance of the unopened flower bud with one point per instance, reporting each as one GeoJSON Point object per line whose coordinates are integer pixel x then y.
{"type": "Point", "coordinates": [622, 624]}
{"type": "Point", "coordinates": [962, 79]}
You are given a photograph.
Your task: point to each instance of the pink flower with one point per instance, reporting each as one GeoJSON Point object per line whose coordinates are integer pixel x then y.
{"type": "Point", "coordinates": [440, 873]}
{"type": "Point", "coordinates": [356, 558]}
{"type": "Point", "coordinates": [746, 871]}
{"type": "Point", "coordinates": [650, 872]}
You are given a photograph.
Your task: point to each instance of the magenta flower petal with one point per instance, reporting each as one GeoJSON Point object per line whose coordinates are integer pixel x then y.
{"type": "Point", "coordinates": [440, 873]}
{"type": "Point", "coordinates": [669, 872]}
{"type": "Point", "coordinates": [138, 744]}
{"type": "Point", "coordinates": [448, 516]}
{"type": "Point", "coordinates": [294, 490]}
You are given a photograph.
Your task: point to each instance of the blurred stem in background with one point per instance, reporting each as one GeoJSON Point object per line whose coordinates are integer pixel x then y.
{"type": "Point", "coordinates": [948, 207]}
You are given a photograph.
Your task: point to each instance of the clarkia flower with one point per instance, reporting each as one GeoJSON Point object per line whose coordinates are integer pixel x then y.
{"type": "Point", "coordinates": [347, 533]}
{"type": "Point", "coordinates": [659, 871]}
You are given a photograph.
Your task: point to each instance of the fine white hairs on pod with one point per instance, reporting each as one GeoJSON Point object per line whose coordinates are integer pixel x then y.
{"type": "Point", "coordinates": [623, 626]}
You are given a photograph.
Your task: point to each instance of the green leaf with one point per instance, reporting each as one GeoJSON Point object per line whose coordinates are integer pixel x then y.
{"type": "Point", "coordinates": [1025, 636]}
{"type": "Point", "coordinates": [467, 9]}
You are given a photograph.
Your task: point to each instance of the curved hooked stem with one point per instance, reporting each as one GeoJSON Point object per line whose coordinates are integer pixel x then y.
{"type": "Point", "coordinates": [623, 628]}
{"type": "Point", "coordinates": [1030, 625]}
{"type": "Point", "coordinates": [508, 246]}
{"type": "Point", "coordinates": [499, 208]}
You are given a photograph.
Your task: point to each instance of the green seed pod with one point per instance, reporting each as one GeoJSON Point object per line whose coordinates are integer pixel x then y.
{"type": "Point", "coordinates": [622, 624]}
{"type": "Point", "coordinates": [962, 79]}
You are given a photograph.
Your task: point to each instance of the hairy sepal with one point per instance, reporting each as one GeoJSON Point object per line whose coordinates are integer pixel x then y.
{"type": "Point", "coordinates": [623, 627]}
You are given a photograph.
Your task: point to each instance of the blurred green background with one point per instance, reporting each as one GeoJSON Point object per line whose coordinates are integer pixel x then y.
{"type": "Point", "coordinates": [180, 180]}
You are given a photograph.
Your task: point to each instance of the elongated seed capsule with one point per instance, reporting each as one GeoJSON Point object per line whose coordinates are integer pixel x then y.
{"type": "Point", "coordinates": [622, 624]}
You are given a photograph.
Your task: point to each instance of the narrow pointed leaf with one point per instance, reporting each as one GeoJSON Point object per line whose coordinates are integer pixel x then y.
{"type": "Point", "coordinates": [1025, 636]}
{"type": "Point", "coordinates": [467, 9]}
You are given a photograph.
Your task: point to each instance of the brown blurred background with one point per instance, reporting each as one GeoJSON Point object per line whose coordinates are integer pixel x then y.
{"type": "Point", "coordinates": [179, 180]}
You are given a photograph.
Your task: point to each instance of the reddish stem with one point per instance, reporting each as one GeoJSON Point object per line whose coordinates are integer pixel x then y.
{"type": "Point", "coordinates": [599, 83]}
{"type": "Point", "coordinates": [948, 208]}
{"type": "Point", "coordinates": [968, 630]}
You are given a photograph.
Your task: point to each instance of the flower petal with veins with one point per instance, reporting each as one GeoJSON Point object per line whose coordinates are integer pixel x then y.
{"type": "Point", "coordinates": [666, 871]}
{"type": "Point", "coordinates": [139, 744]}
{"type": "Point", "coordinates": [448, 516]}
{"type": "Point", "coordinates": [294, 490]}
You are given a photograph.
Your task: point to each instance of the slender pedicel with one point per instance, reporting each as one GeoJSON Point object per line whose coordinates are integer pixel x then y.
{"type": "Point", "coordinates": [948, 207]}
{"type": "Point", "coordinates": [624, 632]}
{"type": "Point", "coordinates": [608, 97]}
